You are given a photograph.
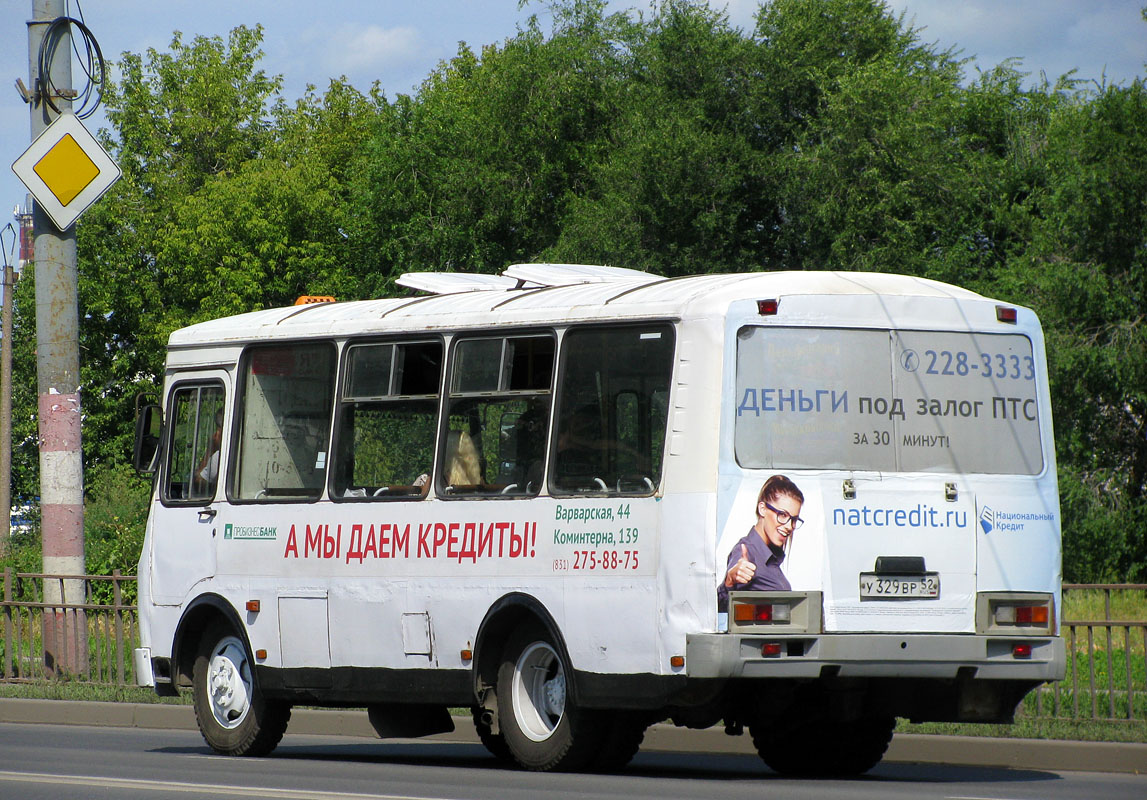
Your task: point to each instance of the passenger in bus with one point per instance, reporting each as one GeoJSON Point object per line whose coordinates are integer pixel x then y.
{"type": "Point", "coordinates": [754, 563]}
{"type": "Point", "coordinates": [463, 467]}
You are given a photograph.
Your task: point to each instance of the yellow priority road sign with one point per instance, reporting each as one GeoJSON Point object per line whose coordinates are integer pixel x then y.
{"type": "Point", "coordinates": [66, 170]}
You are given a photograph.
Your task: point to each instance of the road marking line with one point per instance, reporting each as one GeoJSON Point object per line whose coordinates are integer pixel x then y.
{"type": "Point", "coordinates": [193, 788]}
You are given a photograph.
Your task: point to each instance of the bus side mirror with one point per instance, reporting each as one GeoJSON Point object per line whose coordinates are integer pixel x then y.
{"type": "Point", "coordinates": [148, 429]}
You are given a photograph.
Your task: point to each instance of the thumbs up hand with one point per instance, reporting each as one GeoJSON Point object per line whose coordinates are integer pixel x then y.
{"type": "Point", "coordinates": [742, 571]}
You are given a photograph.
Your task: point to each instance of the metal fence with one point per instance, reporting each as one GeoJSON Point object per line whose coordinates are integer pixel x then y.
{"type": "Point", "coordinates": [1105, 665]}
{"type": "Point", "coordinates": [68, 628]}
{"type": "Point", "coordinates": [1105, 656]}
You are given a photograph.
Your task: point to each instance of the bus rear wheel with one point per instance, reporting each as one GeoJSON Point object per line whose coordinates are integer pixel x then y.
{"type": "Point", "coordinates": [495, 743]}
{"type": "Point", "coordinates": [541, 725]}
{"type": "Point", "coordinates": [233, 716]}
{"type": "Point", "coordinates": [821, 747]}
{"type": "Point", "coordinates": [621, 735]}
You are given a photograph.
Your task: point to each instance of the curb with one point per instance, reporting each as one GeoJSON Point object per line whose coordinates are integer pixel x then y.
{"type": "Point", "coordinates": [1040, 754]}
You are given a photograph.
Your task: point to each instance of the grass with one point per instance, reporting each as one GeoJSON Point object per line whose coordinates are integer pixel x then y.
{"type": "Point", "coordinates": [1083, 730]}
{"type": "Point", "coordinates": [1089, 605]}
{"type": "Point", "coordinates": [78, 691]}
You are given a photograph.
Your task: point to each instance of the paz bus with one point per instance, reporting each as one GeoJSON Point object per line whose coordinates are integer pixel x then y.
{"type": "Point", "coordinates": [527, 495]}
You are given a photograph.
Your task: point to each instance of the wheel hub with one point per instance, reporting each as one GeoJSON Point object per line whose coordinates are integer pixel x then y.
{"type": "Point", "coordinates": [228, 685]}
{"type": "Point", "coordinates": [555, 694]}
{"type": "Point", "coordinates": [539, 691]}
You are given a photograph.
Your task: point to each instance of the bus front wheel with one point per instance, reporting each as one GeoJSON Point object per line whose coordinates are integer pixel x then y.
{"type": "Point", "coordinates": [233, 716]}
{"type": "Point", "coordinates": [541, 725]}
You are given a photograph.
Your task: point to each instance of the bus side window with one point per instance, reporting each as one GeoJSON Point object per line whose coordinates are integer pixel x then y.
{"type": "Point", "coordinates": [192, 473]}
{"type": "Point", "coordinates": [612, 410]}
{"type": "Point", "coordinates": [388, 416]}
{"type": "Point", "coordinates": [285, 421]}
{"type": "Point", "coordinates": [497, 416]}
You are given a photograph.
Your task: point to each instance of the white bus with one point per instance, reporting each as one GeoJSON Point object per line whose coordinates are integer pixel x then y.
{"type": "Point", "coordinates": [528, 495]}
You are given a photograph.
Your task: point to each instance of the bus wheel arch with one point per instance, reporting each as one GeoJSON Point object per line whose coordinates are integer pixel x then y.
{"type": "Point", "coordinates": [509, 613]}
{"type": "Point", "coordinates": [200, 614]}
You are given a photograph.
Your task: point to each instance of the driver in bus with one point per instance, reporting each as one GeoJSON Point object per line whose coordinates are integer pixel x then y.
{"type": "Point", "coordinates": [755, 561]}
{"type": "Point", "coordinates": [208, 471]}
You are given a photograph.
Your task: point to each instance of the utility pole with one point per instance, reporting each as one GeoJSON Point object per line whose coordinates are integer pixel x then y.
{"type": "Point", "coordinates": [58, 369]}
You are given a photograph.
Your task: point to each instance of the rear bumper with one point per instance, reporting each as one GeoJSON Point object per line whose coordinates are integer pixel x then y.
{"type": "Point", "coordinates": [872, 655]}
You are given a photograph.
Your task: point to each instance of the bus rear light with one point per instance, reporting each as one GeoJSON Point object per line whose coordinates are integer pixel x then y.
{"type": "Point", "coordinates": [1013, 612]}
{"type": "Point", "coordinates": [768, 308]}
{"type": "Point", "coordinates": [1006, 314]}
{"type": "Point", "coordinates": [1030, 616]}
{"type": "Point", "coordinates": [1022, 651]}
{"type": "Point", "coordinates": [771, 649]}
{"type": "Point", "coordinates": [762, 612]}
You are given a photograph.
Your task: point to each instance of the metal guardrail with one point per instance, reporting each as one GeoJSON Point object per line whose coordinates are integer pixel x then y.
{"type": "Point", "coordinates": [67, 628]}
{"type": "Point", "coordinates": [91, 641]}
{"type": "Point", "coordinates": [1106, 678]}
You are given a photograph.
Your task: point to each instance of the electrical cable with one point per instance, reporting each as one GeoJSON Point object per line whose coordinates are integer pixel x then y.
{"type": "Point", "coordinates": [91, 62]}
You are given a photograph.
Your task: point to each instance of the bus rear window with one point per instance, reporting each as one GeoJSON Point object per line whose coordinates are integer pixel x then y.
{"type": "Point", "coordinates": [880, 400]}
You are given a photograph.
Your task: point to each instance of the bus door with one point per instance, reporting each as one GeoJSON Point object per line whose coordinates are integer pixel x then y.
{"type": "Point", "coordinates": [184, 524]}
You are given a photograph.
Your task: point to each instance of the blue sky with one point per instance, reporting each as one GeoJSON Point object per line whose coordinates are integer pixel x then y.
{"type": "Point", "coordinates": [399, 42]}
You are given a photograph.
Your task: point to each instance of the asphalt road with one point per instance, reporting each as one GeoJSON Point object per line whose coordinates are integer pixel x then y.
{"type": "Point", "coordinates": [54, 749]}
{"type": "Point", "coordinates": [56, 761]}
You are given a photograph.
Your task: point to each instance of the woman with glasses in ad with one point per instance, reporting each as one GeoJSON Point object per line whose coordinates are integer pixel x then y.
{"type": "Point", "coordinates": [755, 560]}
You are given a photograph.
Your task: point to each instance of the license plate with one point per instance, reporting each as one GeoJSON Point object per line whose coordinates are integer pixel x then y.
{"type": "Point", "coordinates": [874, 586]}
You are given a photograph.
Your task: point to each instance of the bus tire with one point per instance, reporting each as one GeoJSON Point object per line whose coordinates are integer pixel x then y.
{"type": "Point", "coordinates": [495, 743]}
{"type": "Point", "coordinates": [862, 743]}
{"type": "Point", "coordinates": [232, 714]}
{"type": "Point", "coordinates": [622, 734]}
{"type": "Point", "coordinates": [821, 747]}
{"type": "Point", "coordinates": [542, 727]}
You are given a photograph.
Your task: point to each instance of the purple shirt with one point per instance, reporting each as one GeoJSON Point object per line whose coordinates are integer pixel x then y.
{"type": "Point", "coordinates": [768, 576]}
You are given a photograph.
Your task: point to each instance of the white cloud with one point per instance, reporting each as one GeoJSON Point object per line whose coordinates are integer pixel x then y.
{"type": "Point", "coordinates": [354, 50]}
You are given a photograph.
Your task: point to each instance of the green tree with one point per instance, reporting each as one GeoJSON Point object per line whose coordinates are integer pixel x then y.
{"type": "Point", "coordinates": [829, 136]}
{"type": "Point", "coordinates": [680, 185]}
{"type": "Point", "coordinates": [1085, 270]}
{"type": "Point", "coordinates": [474, 172]}
{"type": "Point", "coordinates": [181, 120]}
